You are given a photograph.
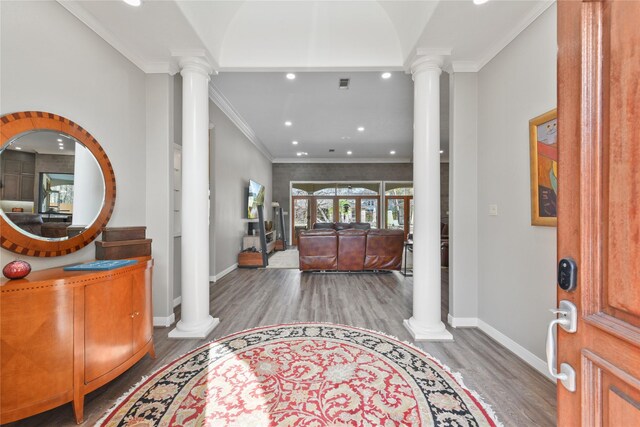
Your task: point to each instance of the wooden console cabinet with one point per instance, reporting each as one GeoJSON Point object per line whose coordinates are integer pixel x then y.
{"type": "Point", "coordinates": [63, 334]}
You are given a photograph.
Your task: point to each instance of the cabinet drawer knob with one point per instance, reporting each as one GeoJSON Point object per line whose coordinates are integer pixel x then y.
{"type": "Point", "coordinates": [135, 313]}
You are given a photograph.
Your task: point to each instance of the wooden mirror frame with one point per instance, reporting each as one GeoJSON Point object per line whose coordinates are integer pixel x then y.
{"type": "Point", "coordinates": [14, 124]}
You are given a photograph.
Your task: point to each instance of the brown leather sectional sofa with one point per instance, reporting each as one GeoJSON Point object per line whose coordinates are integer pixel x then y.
{"type": "Point", "coordinates": [350, 250]}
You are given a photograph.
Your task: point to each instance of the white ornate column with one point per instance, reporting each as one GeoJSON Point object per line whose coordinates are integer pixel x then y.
{"type": "Point", "coordinates": [425, 324]}
{"type": "Point", "coordinates": [195, 322]}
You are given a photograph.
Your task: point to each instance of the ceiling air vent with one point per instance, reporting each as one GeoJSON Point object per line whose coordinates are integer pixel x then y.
{"type": "Point", "coordinates": [332, 150]}
{"type": "Point", "coordinates": [344, 84]}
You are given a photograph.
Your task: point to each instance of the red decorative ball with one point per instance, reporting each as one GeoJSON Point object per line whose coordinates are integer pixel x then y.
{"type": "Point", "coordinates": [16, 269]}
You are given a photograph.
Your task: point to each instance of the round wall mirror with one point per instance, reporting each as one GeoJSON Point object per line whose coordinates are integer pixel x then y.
{"type": "Point", "coordinates": [57, 187]}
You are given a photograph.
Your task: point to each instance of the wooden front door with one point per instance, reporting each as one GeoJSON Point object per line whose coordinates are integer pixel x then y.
{"type": "Point", "coordinates": [599, 208]}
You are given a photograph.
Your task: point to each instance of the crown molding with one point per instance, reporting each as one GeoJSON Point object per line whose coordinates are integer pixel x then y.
{"type": "Point", "coordinates": [169, 66]}
{"type": "Point", "coordinates": [419, 52]}
{"type": "Point", "coordinates": [160, 67]}
{"type": "Point", "coordinates": [492, 51]}
{"type": "Point", "coordinates": [302, 69]}
{"type": "Point", "coordinates": [464, 67]}
{"type": "Point", "coordinates": [90, 21]}
{"type": "Point", "coordinates": [223, 103]}
{"type": "Point", "coordinates": [202, 52]}
{"type": "Point", "coordinates": [342, 160]}
{"type": "Point", "coordinates": [196, 53]}
{"type": "Point", "coordinates": [497, 47]}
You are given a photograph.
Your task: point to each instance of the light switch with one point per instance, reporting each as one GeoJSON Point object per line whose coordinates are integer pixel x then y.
{"type": "Point", "coordinates": [493, 210]}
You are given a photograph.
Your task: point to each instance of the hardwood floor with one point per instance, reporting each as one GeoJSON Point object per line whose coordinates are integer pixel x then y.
{"type": "Point", "coordinates": [248, 298]}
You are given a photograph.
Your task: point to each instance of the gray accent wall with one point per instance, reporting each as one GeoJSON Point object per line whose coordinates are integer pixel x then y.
{"type": "Point", "coordinates": [285, 173]}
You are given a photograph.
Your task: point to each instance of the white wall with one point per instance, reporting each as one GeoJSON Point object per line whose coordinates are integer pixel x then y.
{"type": "Point", "coordinates": [159, 192]}
{"type": "Point", "coordinates": [177, 139]}
{"type": "Point", "coordinates": [52, 62]}
{"type": "Point", "coordinates": [463, 199]}
{"type": "Point", "coordinates": [516, 261]}
{"type": "Point", "coordinates": [234, 161]}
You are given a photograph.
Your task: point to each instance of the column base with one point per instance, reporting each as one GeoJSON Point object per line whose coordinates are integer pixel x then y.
{"type": "Point", "coordinates": [439, 333]}
{"type": "Point", "coordinates": [199, 331]}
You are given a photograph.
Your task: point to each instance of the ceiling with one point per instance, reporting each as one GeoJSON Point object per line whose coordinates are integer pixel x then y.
{"type": "Point", "coordinates": [323, 116]}
{"type": "Point", "coordinates": [44, 142]}
{"type": "Point", "coordinates": [252, 43]}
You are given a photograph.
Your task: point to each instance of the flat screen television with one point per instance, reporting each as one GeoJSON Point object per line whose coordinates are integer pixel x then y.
{"type": "Point", "coordinates": [256, 197]}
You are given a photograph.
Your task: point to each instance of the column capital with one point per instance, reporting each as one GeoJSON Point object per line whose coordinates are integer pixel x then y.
{"type": "Point", "coordinates": [195, 64]}
{"type": "Point", "coordinates": [424, 59]}
{"type": "Point", "coordinates": [424, 63]}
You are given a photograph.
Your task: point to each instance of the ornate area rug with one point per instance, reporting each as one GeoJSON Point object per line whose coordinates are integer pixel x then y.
{"type": "Point", "coordinates": [306, 374]}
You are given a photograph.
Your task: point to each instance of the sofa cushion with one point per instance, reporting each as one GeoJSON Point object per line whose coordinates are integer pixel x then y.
{"type": "Point", "coordinates": [324, 226]}
{"type": "Point", "coordinates": [361, 225]}
{"type": "Point", "coordinates": [54, 229]}
{"type": "Point", "coordinates": [343, 226]}
{"type": "Point", "coordinates": [351, 247]}
{"type": "Point", "coordinates": [384, 250]}
{"type": "Point", "coordinates": [21, 218]}
{"type": "Point", "coordinates": [29, 222]}
{"type": "Point", "coordinates": [318, 250]}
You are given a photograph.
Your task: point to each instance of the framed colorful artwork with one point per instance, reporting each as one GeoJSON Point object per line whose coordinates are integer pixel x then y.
{"type": "Point", "coordinates": [543, 138]}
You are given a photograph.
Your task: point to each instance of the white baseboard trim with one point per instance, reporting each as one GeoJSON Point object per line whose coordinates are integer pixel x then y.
{"type": "Point", "coordinates": [164, 322]}
{"type": "Point", "coordinates": [524, 354]}
{"type": "Point", "coordinates": [462, 322]}
{"type": "Point", "coordinates": [177, 301]}
{"type": "Point", "coordinates": [223, 273]}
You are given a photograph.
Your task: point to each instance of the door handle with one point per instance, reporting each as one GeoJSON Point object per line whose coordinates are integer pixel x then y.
{"type": "Point", "coordinates": [568, 321]}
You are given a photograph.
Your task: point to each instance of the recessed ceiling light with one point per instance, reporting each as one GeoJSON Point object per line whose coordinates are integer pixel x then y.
{"type": "Point", "coordinates": [480, 1]}
{"type": "Point", "coordinates": [392, 152]}
{"type": "Point", "coordinates": [60, 143]}
{"type": "Point", "coordinates": [361, 129]}
{"type": "Point", "coordinates": [349, 152]}
{"type": "Point", "coordinates": [288, 123]}
{"type": "Point", "coordinates": [294, 142]}
{"type": "Point", "coordinates": [133, 2]}
{"type": "Point", "coordinates": [59, 139]}
{"type": "Point", "coordinates": [291, 76]}
{"type": "Point", "coordinates": [386, 75]}
{"type": "Point", "coordinates": [18, 148]}
{"type": "Point", "coordinates": [441, 151]}
{"type": "Point", "coordinates": [301, 153]}
{"type": "Point", "coordinates": [61, 147]}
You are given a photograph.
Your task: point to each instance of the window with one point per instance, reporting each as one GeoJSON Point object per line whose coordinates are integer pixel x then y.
{"type": "Point", "coordinates": [369, 212]}
{"type": "Point", "coordinates": [320, 202]}
{"type": "Point", "coordinates": [399, 206]}
{"type": "Point", "coordinates": [366, 189]}
{"type": "Point", "coordinates": [324, 210]}
{"type": "Point", "coordinates": [347, 211]}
